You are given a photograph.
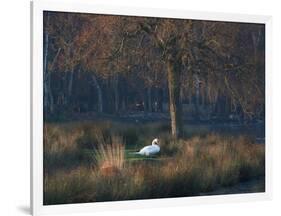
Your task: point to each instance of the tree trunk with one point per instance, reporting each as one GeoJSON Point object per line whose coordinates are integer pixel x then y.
{"type": "Point", "coordinates": [145, 100]}
{"type": "Point", "coordinates": [51, 98]}
{"type": "Point", "coordinates": [48, 96]}
{"type": "Point", "coordinates": [197, 96]}
{"type": "Point", "coordinates": [116, 94]}
{"type": "Point", "coordinates": [149, 99]}
{"type": "Point", "coordinates": [122, 94]}
{"type": "Point", "coordinates": [99, 91]}
{"type": "Point", "coordinates": [70, 85]}
{"type": "Point", "coordinates": [256, 41]}
{"type": "Point", "coordinates": [46, 42]}
{"type": "Point", "coordinates": [174, 84]}
{"type": "Point", "coordinates": [160, 103]}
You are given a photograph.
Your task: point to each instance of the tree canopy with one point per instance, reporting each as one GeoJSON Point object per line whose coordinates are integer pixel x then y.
{"type": "Point", "coordinates": [120, 64]}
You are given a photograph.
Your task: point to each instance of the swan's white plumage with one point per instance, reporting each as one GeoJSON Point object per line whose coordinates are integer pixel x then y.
{"type": "Point", "coordinates": [152, 149]}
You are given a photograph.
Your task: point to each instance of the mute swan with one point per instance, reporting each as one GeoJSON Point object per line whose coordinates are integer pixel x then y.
{"type": "Point", "coordinates": [152, 149]}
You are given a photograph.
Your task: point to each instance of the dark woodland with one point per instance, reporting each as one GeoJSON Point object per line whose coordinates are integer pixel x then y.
{"type": "Point", "coordinates": [121, 81]}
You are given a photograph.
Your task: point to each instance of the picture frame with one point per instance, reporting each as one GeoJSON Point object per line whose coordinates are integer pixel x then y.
{"type": "Point", "coordinates": [37, 9]}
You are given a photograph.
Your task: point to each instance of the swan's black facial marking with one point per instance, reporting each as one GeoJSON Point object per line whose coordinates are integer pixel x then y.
{"type": "Point", "coordinates": [155, 141]}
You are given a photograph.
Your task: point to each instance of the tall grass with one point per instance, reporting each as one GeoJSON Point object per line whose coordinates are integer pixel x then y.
{"type": "Point", "coordinates": [187, 167]}
{"type": "Point", "coordinates": [60, 147]}
{"type": "Point", "coordinates": [110, 157]}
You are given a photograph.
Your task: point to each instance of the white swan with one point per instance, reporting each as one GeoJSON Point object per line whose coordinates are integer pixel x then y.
{"type": "Point", "coordinates": [152, 149]}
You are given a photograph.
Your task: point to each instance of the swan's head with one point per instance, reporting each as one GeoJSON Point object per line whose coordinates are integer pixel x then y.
{"type": "Point", "coordinates": [155, 141]}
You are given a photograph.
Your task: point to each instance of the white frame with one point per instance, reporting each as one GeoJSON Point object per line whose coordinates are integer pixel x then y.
{"type": "Point", "coordinates": [86, 6]}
